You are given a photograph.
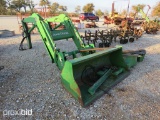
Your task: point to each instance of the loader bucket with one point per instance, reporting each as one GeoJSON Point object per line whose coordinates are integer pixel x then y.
{"type": "Point", "coordinates": [89, 77]}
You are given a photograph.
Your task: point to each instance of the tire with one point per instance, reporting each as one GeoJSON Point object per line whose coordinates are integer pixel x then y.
{"type": "Point", "coordinates": [97, 20]}
{"type": "Point", "coordinates": [131, 39]}
{"type": "Point", "coordinates": [125, 41]}
{"type": "Point", "coordinates": [121, 41]}
{"type": "Point", "coordinates": [100, 45]}
{"type": "Point", "coordinates": [87, 20]}
{"type": "Point", "coordinates": [107, 44]}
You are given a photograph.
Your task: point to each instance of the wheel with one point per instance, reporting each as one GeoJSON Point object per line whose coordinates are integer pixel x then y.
{"type": "Point", "coordinates": [87, 20]}
{"type": "Point", "coordinates": [121, 41]}
{"type": "Point", "coordinates": [97, 20]}
{"type": "Point", "coordinates": [107, 44]}
{"type": "Point", "coordinates": [148, 31]}
{"type": "Point", "coordinates": [131, 39]}
{"type": "Point", "coordinates": [100, 45]}
{"type": "Point", "coordinates": [125, 41]}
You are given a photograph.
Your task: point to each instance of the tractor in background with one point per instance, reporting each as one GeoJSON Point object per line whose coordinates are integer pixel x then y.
{"type": "Point", "coordinates": [115, 18]}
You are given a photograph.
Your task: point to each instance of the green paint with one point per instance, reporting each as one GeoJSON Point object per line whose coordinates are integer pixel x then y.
{"type": "Point", "coordinates": [99, 82]}
{"type": "Point", "coordinates": [73, 77]}
{"type": "Point", "coordinates": [49, 35]}
{"type": "Point", "coordinates": [98, 60]}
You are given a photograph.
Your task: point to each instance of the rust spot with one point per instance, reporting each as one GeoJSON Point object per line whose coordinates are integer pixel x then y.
{"type": "Point", "coordinates": [78, 91]}
{"type": "Point", "coordinates": [80, 100]}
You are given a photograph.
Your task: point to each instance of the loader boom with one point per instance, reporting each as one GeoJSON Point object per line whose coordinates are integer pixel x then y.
{"type": "Point", "coordinates": [50, 34]}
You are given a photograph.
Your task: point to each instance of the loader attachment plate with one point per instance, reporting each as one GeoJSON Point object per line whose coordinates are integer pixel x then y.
{"type": "Point", "coordinates": [89, 77]}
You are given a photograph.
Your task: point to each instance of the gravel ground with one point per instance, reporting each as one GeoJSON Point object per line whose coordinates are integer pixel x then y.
{"type": "Point", "coordinates": [30, 81]}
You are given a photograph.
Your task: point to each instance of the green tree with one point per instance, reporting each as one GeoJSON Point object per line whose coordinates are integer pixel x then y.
{"type": "Point", "coordinates": [99, 13]}
{"type": "Point", "coordinates": [156, 10]}
{"type": "Point", "coordinates": [2, 7]}
{"type": "Point", "coordinates": [78, 9]}
{"type": "Point", "coordinates": [54, 8]}
{"type": "Point", "coordinates": [88, 7]}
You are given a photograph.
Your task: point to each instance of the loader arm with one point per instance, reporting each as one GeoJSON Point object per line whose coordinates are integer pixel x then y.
{"type": "Point", "coordinates": [50, 34]}
{"type": "Point", "coordinates": [70, 31]}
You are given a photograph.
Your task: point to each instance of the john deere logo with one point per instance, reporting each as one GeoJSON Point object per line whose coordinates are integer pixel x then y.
{"type": "Point", "coordinates": [60, 33]}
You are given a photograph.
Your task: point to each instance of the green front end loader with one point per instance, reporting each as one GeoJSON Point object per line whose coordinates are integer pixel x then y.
{"type": "Point", "coordinates": [90, 75]}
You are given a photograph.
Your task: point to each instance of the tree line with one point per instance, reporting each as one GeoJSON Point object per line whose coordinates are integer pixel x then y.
{"type": "Point", "coordinates": [10, 7]}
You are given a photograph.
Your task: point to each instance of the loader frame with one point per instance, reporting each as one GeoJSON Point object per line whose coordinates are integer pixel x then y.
{"type": "Point", "coordinates": [50, 34]}
{"type": "Point", "coordinates": [87, 77]}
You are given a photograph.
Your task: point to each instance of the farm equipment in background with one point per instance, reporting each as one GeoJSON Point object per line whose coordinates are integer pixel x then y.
{"type": "Point", "coordinates": [91, 25]}
{"type": "Point", "coordinates": [129, 33]}
{"type": "Point", "coordinates": [151, 27]}
{"type": "Point", "coordinates": [108, 20]}
{"type": "Point", "coordinates": [115, 18]}
{"type": "Point", "coordinates": [105, 37]}
{"type": "Point", "coordinates": [90, 37]}
{"type": "Point", "coordinates": [90, 75]}
{"type": "Point", "coordinates": [139, 21]}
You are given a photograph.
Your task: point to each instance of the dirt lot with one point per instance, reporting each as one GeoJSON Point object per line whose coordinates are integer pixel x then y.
{"type": "Point", "coordinates": [30, 81]}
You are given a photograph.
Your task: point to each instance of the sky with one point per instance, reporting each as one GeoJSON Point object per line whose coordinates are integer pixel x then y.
{"type": "Point", "coordinates": [103, 4]}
